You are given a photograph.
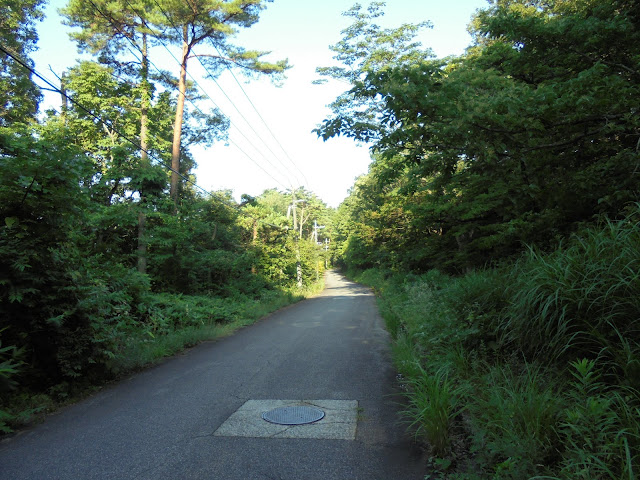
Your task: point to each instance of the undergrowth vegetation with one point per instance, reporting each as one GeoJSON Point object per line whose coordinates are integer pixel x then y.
{"type": "Point", "coordinates": [515, 314]}
{"type": "Point", "coordinates": [529, 370]}
{"type": "Point", "coordinates": [161, 326]}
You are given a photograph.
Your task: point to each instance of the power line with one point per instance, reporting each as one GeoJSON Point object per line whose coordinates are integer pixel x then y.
{"type": "Point", "coordinates": [216, 105]}
{"type": "Point", "coordinates": [169, 81]}
{"type": "Point", "coordinates": [212, 77]}
{"type": "Point", "coordinates": [248, 123]}
{"type": "Point", "coordinates": [125, 137]}
{"type": "Point", "coordinates": [263, 120]}
{"type": "Point", "coordinates": [220, 109]}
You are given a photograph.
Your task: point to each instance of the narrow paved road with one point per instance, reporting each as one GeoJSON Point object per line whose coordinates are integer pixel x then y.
{"type": "Point", "coordinates": [161, 423]}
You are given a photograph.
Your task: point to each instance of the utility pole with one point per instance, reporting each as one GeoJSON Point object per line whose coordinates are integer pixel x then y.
{"type": "Point", "coordinates": [326, 253]}
{"type": "Point", "coordinates": [292, 208]}
{"type": "Point", "coordinates": [316, 227]}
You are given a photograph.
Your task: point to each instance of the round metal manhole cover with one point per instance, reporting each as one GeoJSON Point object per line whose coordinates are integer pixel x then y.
{"type": "Point", "coordinates": [293, 415]}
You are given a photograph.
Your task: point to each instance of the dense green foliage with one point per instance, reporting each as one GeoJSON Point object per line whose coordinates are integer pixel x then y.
{"type": "Point", "coordinates": [19, 96]}
{"type": "Point", "coordinates": [529, 370]}
{"type": "Point", "coordinates": [531, 133]}
{"type": "Point", "coordinates": [101, 270]}
{"type": "Point", "coordinates": [498, 223]}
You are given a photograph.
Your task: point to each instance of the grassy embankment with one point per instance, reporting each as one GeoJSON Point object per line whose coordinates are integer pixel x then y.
{"type": "Point", "coordinates": [165, 325]}
{"type": "Point", "coordinates": [531, 370]}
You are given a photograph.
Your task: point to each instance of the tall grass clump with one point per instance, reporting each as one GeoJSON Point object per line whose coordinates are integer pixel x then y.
{"type": "Point", "coordinates": [600, 440]}
{"type": "Point", "coordinates": [577, 312]}
{"type": "Point", "coordinates": [582, 300]}
{"type": "Point", "coordinates": [432, 402]}
{"type": "Point", "coordinates": [477, 300]}
{"type": "Point", "coordinates": [514, 416]}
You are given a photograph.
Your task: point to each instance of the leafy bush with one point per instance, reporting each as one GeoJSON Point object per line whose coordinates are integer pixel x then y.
{"type": "Point", "coordinates": [42, 206]}
{"type": "Point", "coordinates": [108, 297]}
{"type": "Point", "coordinates": [9, 367]}
{"type": "Point", "coordinates": [168, 312]}
{"type": "Point", "coordinates": [514, 414]}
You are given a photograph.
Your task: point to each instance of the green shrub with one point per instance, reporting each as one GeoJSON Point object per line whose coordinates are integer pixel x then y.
{"type": "Point", "coordinates": [9, 367]}
{"type": "Point", "coordinates": [406, 358]}
{"type": "Point", "coordinates": [373, 277]}
{"type": "Point", "coordinates": [164, 313]}
{"type": "Point", "coordinates": [514, 414]}
{"type": "Point", "coordinates": [599, 429]}
{"type": "Point", "coordinates": [583, 300]}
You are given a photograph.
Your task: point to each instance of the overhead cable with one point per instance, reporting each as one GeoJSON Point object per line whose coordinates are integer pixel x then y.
{"type": "Point", "coordinates": [114, 24]}
{"type": "Point", "coordinates": [109, 125]}
{"type": "Point", "coordinates": [219, 108]}
{"type": "Point", "coordinates": [263, 121]}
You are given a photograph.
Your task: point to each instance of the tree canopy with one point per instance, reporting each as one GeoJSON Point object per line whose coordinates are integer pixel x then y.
{"type": "Point", "coordinates": [19, 96]}
{"type": "Point", "coordinates": [529, 134]}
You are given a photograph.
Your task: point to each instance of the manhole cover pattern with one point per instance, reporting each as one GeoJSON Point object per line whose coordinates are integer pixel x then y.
{"type": "Point", "coordinates": [293, 415]}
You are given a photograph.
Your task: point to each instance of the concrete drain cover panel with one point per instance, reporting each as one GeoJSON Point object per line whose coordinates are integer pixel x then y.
{"type": "Point", "coordinates": [298, 415]}
{"type": "Point", "coordinates": [338, 422]}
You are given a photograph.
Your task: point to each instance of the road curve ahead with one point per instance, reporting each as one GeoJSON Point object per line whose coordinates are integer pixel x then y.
{"type": "Point", "coordinates": [198, 415]}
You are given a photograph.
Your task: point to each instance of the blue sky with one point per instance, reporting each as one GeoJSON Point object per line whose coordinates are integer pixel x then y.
{"type": "Point", "coordinates": [301, 31]}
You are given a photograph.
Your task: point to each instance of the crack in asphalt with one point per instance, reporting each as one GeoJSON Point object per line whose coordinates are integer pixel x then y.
{"type": "Point", "coordinates": [282, 431]}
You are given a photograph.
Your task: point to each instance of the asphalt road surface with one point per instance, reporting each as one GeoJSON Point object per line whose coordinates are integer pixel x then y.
{"type": "Point", "coordinates": [162, 423]}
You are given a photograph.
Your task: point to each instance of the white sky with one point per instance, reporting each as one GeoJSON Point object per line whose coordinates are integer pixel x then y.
{"type": "Point", "coordinates": [300, 30]}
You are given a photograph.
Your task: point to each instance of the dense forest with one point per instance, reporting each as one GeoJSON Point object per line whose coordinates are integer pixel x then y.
{"type": "Point", "coordinates": [499, 224]}
{"type": "Point", "coordinates": [111, 255]}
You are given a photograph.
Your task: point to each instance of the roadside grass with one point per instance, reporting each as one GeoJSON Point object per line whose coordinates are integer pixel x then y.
{"type": "Point", "coordinates": [432, 402]}
{"type": "Point", "coordinates": [189, 327]}
{"type": "Point", "coordinates": [166, 325]}
{"type": "Point", "coordinates": [529, 370]}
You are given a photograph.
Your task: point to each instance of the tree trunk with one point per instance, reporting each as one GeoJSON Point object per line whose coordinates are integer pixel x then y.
{"type": "Point", "coordinates": [64, 100]}
{"type": "Point", "coordinates": [177, 125]}
{"type": "Point", "coordinates": [145, 103]}
{"type": "Point", "coordinates": [254, 240]}
{"type": "Point", "coordinates": [142, 243]}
